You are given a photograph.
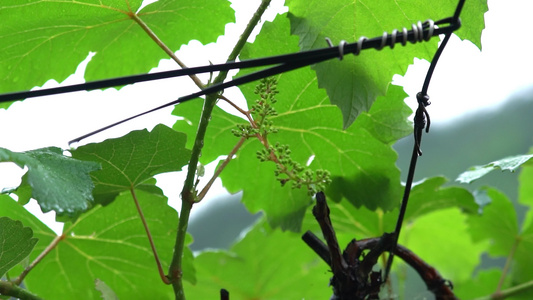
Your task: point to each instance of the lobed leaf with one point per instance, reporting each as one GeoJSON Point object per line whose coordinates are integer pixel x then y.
{"type": "Point", "coordinates": [265, 264]}
{"type": "Point", "coordinates": [430, 195]}
{"type": "Point", "coordinates": [525, 191]}
{"type": "Point", "coordinates": [505, 164]}
{"type": "Point", "coordinates": [443, 234]}
{"type": "Point", "coordinates": [56, 181]}
{"type": "Point", "coordinates": [44, 235]}
{"type": "Point", "coordinates": [53, 37]}
{"type": "Point", "coordinates": [16, 243]}
{"type": "Point", "coordinates": [496, 223]}
{"type": "Point", "coordinates": [360, 157]}
{"type": "Point", "coordinates": [110, 244]}
{"type": "Point", "coordinates": [130, 161]}
{"type": "Point", "coordinates": [523, 261]}
{"type": "Point", "coordinates": [354, 83]}
{"type": "Point", "coordinates": [426, 197]}
{"type": "Point", "coordinates": [483, 284]}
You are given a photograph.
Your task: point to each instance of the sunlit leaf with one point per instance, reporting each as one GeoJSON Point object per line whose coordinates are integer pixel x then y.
{"type": "Point", "coordinates": [440, 236]}
{"type": "Point", "coordinates": [523, 262]}
{"type": "Point", "coordinates": [426, 197]}
{"type": "Point", "coordinates": [430, 195]}
{"type": "Point", "coordinates": [265, 264]}
{"type": "Point", "coordinates": [109, 243]}
{"type": "Point", "coordinates": [129, 161]}
{"type": "Point", "coordinates": [506, 164]}
{"type": "Point", "coordinates": [57, 182]}
{"type": "Point", "coordinates": [360, 158]}
{"type": "Point", "coordinates": [354, 83]}
{"type": "Point", "coordinates": [483, 284]}
{"type": "Point", "coordinates": [16, 243]}
{"type": "Point", "coordinates": [525, 192]}
{"type": "Point", "coordinates": [497, 223]}
{"type": "Point", "coordinates": [53, 37]}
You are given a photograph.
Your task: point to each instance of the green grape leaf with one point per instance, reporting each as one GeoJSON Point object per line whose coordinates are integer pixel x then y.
{"type": "Point", "coordinates": [130, 161]}
{"type": "Point", "coordinates": [360, 157]}
{"type": "Point", "coordinates": [523, 261]}
{"type": "Point", "coordinates": [525, 191]}
{"type": "Point", "coordinates": [57, 182]}
{"type": "Point", "coordinates": [354, 83]}
{"type": "Point", "coordinates": [506, 164]}
{"type": "Point", "coordinates": [265, 264]}
{"type": "Point", "coordinates": [219, 140]}
{"type": "Point", "coordinates": [109, 243]}
{"type": "Point", "coordinates": [44, 235]}
{"type": "Point", "coordinates": [107, 292]}
{"type": "Point", "coordinates": [483, 284]}
{"type": "Point", "coordinates": [440, 235]}
{"type": "Point", "coordinates": [426, 197]}
{"type": "Point", "coordinates": [496, 223]}
{"type": "Point", "coordinates": [40, 40]}
{"type": "Point", "coordinates": [430, 195]}
{"type": "Point", "coordinates": [16, 243]}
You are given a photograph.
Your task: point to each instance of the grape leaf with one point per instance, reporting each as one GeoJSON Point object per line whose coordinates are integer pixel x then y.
{"type": "Point", "coordinates": [505, 164]}
{"type": "Point", "coordinates": [430, 195]}
{"type": "Point", "coordinates": [129, 161]}
{"type": "Point", "coordinates": [523, 261]}
{"type": "Point", "coordinates": [109, 243]}
{"type": "Point", "coordinates": [57, 182]}
{"type": "Point", "coordinates": [16, 243]}
{"type": "Point", "coordinates": [426, 197]}
{"type": "Point", "coordinates": [219, 140]}
{"type": "Point", "coordinates": [443, 234]}
{"type": "Point", "coordinates": [354, 83]}
{"type": "Point", "coordinates": [311, 127]}
{"type": "Point", "coordinates": [525, 192]}
{"type": "Point", "coordinates": [483, 284]}
{"type": "Point", "coordinates": [48, 39]}
{"type": "Point", "coordinates": [496, 223]}
{"type": "Point", "coordinates": [10, 208]}
{"type": "Point", "coordinates": [265, 264]}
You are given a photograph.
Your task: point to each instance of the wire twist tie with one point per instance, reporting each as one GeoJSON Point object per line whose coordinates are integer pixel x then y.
{"type": "Point", "coordinates": [418, 36]}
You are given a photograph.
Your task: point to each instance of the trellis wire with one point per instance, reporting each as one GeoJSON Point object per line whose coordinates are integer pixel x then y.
{"type": "Point", "coordinates": [421, 115]}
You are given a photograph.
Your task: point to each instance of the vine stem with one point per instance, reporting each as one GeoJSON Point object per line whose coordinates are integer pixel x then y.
{"type": "Point", "coordinates": [188, 194]}
{"type": "Point", "coordinates": [150, 239]}
{"type": "Point", "coordinates": [12, 289]}
{"type": "Point", "coordinates": [45, 252]}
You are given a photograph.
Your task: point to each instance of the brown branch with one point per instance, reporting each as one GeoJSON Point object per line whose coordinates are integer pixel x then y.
{"type": "Point", "coordinates": [353, 277]}
{"type": "Point", "coordinates": [150, 239]}
{"type": "Point", "coordinates": [45, 252]}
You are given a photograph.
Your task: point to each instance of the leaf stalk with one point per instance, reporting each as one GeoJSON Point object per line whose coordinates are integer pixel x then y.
{"type": "Point", "coordinates": [34, 263]}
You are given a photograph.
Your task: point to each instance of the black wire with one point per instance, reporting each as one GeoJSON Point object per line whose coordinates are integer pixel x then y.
{"type": "Point", "coordinates": [419, 124]}
{"type": "Point", "coordinates": [306, 57]}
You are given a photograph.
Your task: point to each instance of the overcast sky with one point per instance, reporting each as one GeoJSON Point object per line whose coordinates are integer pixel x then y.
{"type": "Point", "coordinates": [465, 81]}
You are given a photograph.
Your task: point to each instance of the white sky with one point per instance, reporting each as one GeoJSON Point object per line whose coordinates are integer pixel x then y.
{"type": "Point", "coordinates": [465, 80]}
